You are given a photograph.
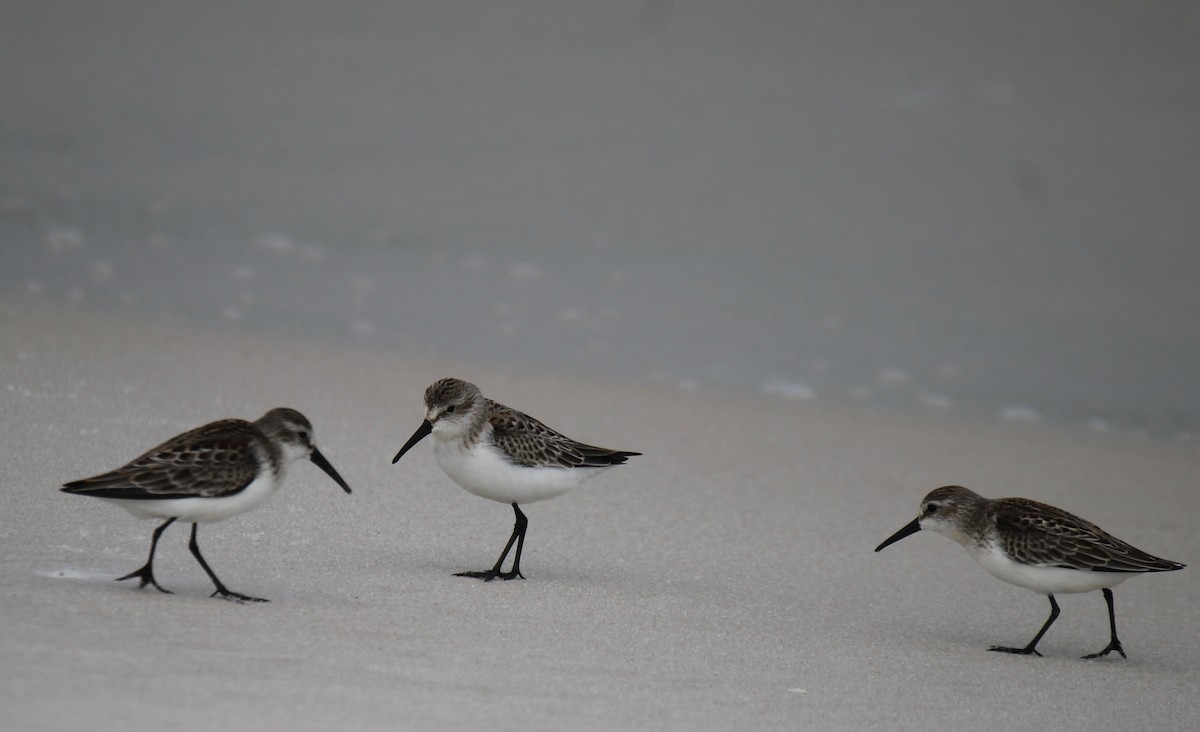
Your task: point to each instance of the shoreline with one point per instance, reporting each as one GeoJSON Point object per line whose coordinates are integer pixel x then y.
{"type": "Point", "coordinates": [1016, 418]}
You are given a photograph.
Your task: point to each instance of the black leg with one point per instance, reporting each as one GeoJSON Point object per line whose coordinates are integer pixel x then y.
{"type": "Point", "coordinates": [146, 573]}
{"type": "Point", "coordinates": [221, 589]}
{"type": "Point", "coordinates": [518, 537]}
{"type": "Point", "coordinates": [1113, 643]}
{"type": "Point", "coordinates": [1029, 649]}
{"type": "Point", "coordinates": [522, 524]}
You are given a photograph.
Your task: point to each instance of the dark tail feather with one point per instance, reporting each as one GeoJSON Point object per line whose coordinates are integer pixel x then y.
{"type": "Point", "coordinates": [598, 457]}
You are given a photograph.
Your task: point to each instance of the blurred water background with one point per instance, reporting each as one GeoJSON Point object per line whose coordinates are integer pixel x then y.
{"type": "Point", "coordinates": [986, 210]}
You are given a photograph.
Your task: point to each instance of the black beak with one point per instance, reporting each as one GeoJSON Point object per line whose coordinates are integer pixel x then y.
{"type": "Point", "coordinates": [320, 461]}
{"type": "Point", "coordinates": [911, 528]}
{"type": "Point", "coordinates": [425, 428]}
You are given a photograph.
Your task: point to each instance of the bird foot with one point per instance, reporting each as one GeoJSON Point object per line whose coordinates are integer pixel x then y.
{"type": "Point", "coordinates": [1115, 645]}
{"type": "Point", "coordinates": [146, 577]}
{"type": "Point", "coordinates": [491, 574]}
{"type": "Point", "coordinates": [1019, 651]}
{"type": "Point", "coordinates": [236, 596]}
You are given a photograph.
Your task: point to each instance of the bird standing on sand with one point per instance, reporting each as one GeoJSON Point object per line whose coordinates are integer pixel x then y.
{"type": "Point", "coordinates": [498, 453]}
{"type": "Point", "coordinates": [1035, 546]}
{"type": "Point", "coordinates": [208, 474]}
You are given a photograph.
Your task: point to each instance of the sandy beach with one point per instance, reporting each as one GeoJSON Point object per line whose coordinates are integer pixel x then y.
{"type": "Point", "coordinates": [811, 259]}
{"type": "Point", "coordinates": [724, 580]}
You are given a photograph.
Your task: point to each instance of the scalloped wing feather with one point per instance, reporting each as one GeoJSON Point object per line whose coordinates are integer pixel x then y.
{"type": "Point", "coordinates": [214, 460]}
{"type": "Point", "coordinates": [1039, 534]}
{"type": "Point", "coordinates": [530, 442]}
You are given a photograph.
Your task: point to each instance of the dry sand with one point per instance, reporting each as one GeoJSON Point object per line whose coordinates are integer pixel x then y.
{"type": "Point", "coordinates": [725, 580]}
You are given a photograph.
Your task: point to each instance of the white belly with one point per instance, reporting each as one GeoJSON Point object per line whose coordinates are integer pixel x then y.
{"type": "Point", "coordinates": [1045, 580]}
{"type": "Point", "coordinates": [205, 510]}
{"type": "Point", "coordinates": [484, 472]}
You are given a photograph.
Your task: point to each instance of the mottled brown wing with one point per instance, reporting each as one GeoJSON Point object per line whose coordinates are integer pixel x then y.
{"type": "Point", "coordinates": [529, 442]}
{"type": "Point", "coordinates": [1038, 534]}
{"type": "Point", "coordinates": [214, 460]}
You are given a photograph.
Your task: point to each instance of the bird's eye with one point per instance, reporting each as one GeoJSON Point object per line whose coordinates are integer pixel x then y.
{"type": "Point", "coordinates": [931, 509]}
{"type": "Point", "coordinates": [303, 435]}
{"type": "Point", "coordinates": [450, 409]}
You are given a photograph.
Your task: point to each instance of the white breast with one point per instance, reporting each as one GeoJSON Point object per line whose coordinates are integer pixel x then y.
{"type": "Point", "coordinates": [485, 472]}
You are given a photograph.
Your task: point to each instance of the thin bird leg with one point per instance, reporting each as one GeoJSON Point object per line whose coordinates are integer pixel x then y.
{"type": "Point", "coordinates": [518, 537]}
{"type": "Point", "coordinates": [521, 525]}
{"type": "Point", "coordinates": [1113, 643]}
{"type": "Point", "coordinates": [146, 573]}
{"type": "Point", "coordinates": [221, 589]}
{"type": "Point", "coordinates": [1029, 649]}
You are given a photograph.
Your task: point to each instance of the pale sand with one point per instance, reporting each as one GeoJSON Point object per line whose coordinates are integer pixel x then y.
{"type": "Point", "coordinates": [725, 580]}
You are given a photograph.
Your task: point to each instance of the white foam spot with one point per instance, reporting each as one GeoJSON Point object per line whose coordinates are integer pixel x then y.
{"type": "Point", "coordinates": [231, 313]}
{"type": "Point", "coordinates": [64, 239]}
{"type": "Point", "coordinates": [276, 243]}
{"type": "Point", "coordinates": [787, 389]}
{"type": "Point", "coordinates": [687, 384]}
{"type": "Point", "coordinates": [362, 327]}
{"type": "Point", "coordinates": [1019, 413]}
{"type": "Point", "coordinates": [1099, 425]}
{"type": "Point", "coordinates": [242, 272]}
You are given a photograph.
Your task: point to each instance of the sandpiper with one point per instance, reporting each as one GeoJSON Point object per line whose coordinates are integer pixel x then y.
{"type": "Point", "coordinates": [1035, 546]}
{"type": "Point", "coordinates": [208, 474]}
{"type": "Point", "coordinates": [498, 453]}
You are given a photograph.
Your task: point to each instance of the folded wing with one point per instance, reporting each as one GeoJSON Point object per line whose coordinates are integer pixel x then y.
{"type": "Point", "coordinates": [210, 461]}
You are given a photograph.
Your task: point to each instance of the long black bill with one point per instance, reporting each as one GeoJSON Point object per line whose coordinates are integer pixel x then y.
{"type": "Point", "coordinates": [320, 461]}
{"type": "Point", "coordinates": [911, 528]}
{"type": "Point", "coordinates": [425, 428]}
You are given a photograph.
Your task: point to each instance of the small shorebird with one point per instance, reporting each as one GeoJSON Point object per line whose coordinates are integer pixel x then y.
{"type": "Point", "coordinates": [208, 474]}
{"type": "Point", "coordinates": [1035, 546]}
{"type": "Point", "coordinates": [503, 455]}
